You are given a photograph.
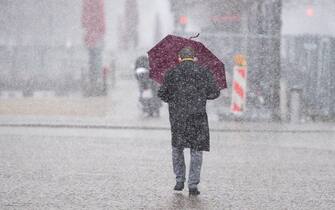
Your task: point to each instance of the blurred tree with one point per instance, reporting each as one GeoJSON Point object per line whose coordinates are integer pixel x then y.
{"type": "Point", "coordinates": [121, 33]}
{"type": "Point", "coordinates": [158, 29]}
{"type": "Point", "coordinates": [93, 20]}
{"type": "Point", "coordinates": [264, 27]}
{"type": "Point", "coordinates": [131, 24]}
{"type": "Point", "coordinates": [275, 58]}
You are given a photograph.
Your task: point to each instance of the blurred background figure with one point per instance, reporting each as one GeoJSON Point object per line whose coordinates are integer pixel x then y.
{"type": "Point", "coordinates": [149, 101]}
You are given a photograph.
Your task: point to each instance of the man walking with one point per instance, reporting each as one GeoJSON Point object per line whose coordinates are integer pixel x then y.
{"type": "Point", "coordinates": [186, 89]}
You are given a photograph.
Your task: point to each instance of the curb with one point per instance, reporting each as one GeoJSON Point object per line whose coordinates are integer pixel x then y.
{"type": "Point", "coordinates": [163, 128]}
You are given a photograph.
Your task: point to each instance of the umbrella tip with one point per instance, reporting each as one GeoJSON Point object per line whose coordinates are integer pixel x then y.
{"type": "Point", "coordinates": [196, 36]}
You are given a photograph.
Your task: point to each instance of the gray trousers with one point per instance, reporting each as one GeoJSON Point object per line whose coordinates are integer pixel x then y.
{"type": "Point", "coordinates": [179, 166]}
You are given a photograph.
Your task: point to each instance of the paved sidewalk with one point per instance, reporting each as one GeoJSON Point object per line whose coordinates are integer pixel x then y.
{"type": "Point", "coordinates": [120, 109]}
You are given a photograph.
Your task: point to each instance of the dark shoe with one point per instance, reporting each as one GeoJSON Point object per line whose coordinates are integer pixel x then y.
{"type": "Point", "coordinates": [179, 186]}
{"type": "Point", "coordinates": [193, 191]}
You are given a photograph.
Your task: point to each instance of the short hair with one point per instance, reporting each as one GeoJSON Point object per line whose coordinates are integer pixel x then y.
{"type": "Point", "coordinates": [186, 52]}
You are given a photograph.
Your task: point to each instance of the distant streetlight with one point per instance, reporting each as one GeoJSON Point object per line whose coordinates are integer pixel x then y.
{"type": "Point", "coordinates": [310, 11]}
{"type": "Point", "coordinates": [183, 20]}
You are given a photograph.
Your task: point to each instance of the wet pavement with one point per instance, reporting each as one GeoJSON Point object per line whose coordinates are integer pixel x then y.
{"type": "Point", "coordinates": [102, 153]}
{"type": "Point", "coordinates": [59, 168]}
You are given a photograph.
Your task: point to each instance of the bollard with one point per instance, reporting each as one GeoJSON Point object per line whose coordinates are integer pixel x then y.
{"type": "Point", "coordinates": [112, 73]}
{"type": "Point", "coordinates": [283, 101]}
{"type": "Point", "coordinates": [295, 105]}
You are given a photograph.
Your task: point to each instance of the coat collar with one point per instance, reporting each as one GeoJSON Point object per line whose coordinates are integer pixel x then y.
{"type": "Point", "coordinates": [187, 59]}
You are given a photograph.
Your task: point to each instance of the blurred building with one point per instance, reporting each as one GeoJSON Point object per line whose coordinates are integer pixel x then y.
{"type": "Point", "coordinates": [229, 27]}
{"type": "Point", "coordinates": [308, 54]}
{"type": "Point", "coordinates": [307, 64]}
{"type": "Point", "coordinates": [41, 44]}
{"type": "Point", "coordinates": [308, 17]}
{"type": "Point", "coordinates": [304, 59]}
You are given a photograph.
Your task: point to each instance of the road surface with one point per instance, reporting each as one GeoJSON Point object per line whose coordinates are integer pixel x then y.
{"type": "Point", "coordinates": [61, 168]}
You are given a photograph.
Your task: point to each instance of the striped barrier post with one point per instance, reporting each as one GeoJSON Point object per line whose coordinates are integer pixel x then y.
{"type": "Point", "coordinates": [239, 89]}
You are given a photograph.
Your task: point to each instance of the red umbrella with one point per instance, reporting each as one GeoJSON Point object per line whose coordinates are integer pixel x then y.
{"type": "Point", "coordinates": [164, 56]}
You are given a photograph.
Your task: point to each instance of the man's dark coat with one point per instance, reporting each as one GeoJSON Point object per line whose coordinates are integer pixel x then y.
{"type": "Point", "coordinates": [186, 89]}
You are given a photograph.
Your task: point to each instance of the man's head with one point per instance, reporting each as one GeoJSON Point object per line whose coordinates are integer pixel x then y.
{"type": "Point", "coordinates": [186, 53]}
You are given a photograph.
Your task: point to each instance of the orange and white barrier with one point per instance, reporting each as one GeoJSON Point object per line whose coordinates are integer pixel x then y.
{"type": "Point", "coordinates": [239, 88]}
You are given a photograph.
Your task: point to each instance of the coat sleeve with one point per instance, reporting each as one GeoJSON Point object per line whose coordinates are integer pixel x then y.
{"type": "Point", "coordinates": [164, 90]}
{"type": "Point", "coordinates": [213, 91]}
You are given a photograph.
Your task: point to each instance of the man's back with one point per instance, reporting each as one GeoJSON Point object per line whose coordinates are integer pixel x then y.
{"type": "Point", "coordinates": [189, 87]}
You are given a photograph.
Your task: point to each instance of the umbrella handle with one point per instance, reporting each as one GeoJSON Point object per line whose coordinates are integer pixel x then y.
{"type": "Point", "coordinates": [192, 37]}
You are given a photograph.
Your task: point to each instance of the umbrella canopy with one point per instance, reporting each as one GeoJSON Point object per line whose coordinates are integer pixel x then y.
{"type": "Point", "coordinates": [164, 56]}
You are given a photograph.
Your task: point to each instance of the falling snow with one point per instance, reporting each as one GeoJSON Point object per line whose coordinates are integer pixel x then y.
{"type": "Point", "coordinates": [81, 125]}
